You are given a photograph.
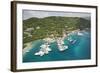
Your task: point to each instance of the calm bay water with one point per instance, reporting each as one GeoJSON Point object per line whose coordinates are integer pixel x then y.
{"type": "Point", "coordinates": [80, 50]}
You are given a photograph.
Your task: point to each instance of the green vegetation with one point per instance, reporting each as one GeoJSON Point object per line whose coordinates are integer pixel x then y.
{"type": "Point", "coordinates": [39, 28]}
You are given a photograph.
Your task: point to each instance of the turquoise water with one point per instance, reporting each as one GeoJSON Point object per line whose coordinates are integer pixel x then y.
{"type": "Point", "coordinates": [80, 50]}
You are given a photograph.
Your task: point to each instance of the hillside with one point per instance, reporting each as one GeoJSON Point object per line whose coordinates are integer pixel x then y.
{"type": "Point", "coordinates": [39, 28]}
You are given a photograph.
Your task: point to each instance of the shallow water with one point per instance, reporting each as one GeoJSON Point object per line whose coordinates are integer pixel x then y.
{"type": "Point", "coordinates": [80, 50]}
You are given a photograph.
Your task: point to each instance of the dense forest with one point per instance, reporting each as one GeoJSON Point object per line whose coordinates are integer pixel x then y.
{"type": "Point", "coordinates": [39, 28]}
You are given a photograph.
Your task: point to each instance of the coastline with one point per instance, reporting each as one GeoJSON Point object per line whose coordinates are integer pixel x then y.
{"type": "Point", "coordinates": [27, 48]}
{"type": "Point", "coordinates": [29, 45]}
{"type": "Point", "coordinates": [72, 53]}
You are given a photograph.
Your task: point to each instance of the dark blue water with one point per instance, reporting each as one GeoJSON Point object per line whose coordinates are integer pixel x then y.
{"type": "Point", "coordinates": [80, 50]}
